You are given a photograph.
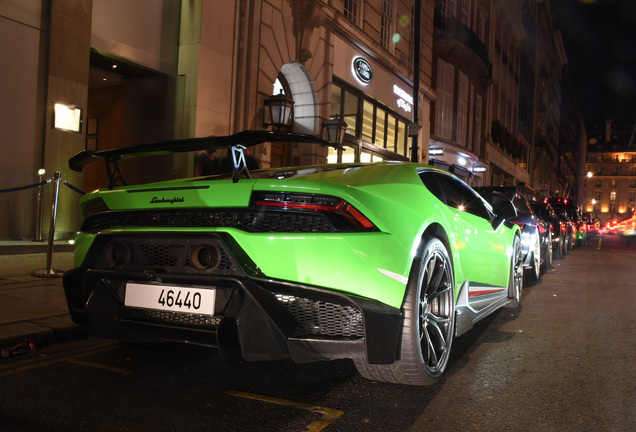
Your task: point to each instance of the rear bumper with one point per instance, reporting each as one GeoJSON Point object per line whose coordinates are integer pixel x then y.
{"type": "Point", "coordinates": [264, 319]}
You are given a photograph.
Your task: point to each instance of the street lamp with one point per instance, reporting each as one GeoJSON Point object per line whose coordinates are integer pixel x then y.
{"type": "Point", "coordinates": [280, 108]}
{"type": "Point", "coordinates": [334, 129]}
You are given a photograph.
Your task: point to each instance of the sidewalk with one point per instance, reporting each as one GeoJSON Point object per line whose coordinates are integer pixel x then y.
{"type": "Point", "coordinates": [33, 307]}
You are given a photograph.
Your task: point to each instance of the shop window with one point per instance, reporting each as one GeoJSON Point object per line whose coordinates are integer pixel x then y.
{"type": "Point", "coordinates": [401, 142]}
{"type": "Point", "coordinates": [350, 113]}
{"type": "Point", "coordinates": [368, 156]}
{"type": "Point", "coordinates": [367, 121]}
{"type": "Point", "coordinates": [390, 132]}
{"type": "Point", "coordinates": [372, 123]}
{"type": "Point", "coordinates": [380, 120]}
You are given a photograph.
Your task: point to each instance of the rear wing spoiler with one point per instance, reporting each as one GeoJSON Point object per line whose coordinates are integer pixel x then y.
{"type": "Point", "coordinates": [235, 143]}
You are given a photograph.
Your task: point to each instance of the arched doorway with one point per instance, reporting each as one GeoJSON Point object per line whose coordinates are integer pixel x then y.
{"type": "Point", "coordinates": [295, 81]}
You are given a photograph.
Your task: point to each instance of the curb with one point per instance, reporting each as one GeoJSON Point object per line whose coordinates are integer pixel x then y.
{"type": "Point", "coordinates": [43, 332]}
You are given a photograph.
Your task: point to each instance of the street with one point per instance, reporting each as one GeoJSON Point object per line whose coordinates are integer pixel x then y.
{"type": "Point", "coordinates": [563, 361]}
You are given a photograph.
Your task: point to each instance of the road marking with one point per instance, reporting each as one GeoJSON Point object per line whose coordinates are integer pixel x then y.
{"type": "Point", "coordinates": [100, 366]}
{"type": "Point", "coordinates": [328, 415]}
{"type": "Point", "coordinates": [599, 244]}
{"type": "Point", "coordinates": [37, 362]}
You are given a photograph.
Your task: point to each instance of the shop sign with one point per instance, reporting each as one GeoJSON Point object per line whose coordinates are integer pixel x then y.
{"type": "Point", "coordinates": [405, 100]}
{"type": "Point", "coordinates": [362, 70]}
{"type": "Point", "coordinates": [436, 151]}
{"type": "Point", "coordinates": [479, 169]}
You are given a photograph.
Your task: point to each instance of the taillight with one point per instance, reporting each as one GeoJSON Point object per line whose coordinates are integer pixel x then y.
{"type": "Point", "coordinates": [521, 224]}
{"type": "Point", "coordinates": [91, 207]}
{"type": "Point", "coordinates": [326, 204]}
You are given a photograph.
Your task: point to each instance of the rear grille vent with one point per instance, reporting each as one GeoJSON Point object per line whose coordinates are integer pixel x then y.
{"type": "Point", "coordinates": [320, 318]}
{"type": "Point", "coordinates": [174, 319]}
{"type": "Point", "coordinates": [246, 220]}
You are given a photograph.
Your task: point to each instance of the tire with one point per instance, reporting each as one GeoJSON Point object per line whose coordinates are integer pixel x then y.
{"type": "Point", "coordinates": [547, 259]}
{"type": "Point", "coordinates": [515, 283]}
{"type": "Point", "coordinates": [558, 252]}
{"type": "Point", "coordinates": [429, 321]}
{"type": "Point", "coordinates": [536, 259]}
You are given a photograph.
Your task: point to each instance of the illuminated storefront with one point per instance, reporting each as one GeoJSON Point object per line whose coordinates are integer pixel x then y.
{"type": "Point", "coordinates": [376, 105]}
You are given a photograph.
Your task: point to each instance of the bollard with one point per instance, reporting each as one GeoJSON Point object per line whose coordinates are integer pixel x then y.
{"type": "Point", "coordinates": [48, 271]}
{"type": "Point", "coordinates": [38, 224]}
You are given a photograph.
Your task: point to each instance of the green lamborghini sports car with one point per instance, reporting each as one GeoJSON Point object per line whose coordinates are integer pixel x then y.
{"type": "Point", "coordinates": [380, 263]}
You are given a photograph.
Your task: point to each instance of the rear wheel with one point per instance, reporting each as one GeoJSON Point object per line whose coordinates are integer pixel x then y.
{"type": "Point", "coordinates": [429, 321]}
{"type": "Point", "coordinates": [559, 249]}
{"type": "Point", "coordinates": [536, 258]}
{"type": "Point", "coordinates": [547, 259]}
{"type": "Point", "coordinates": [515, 284]}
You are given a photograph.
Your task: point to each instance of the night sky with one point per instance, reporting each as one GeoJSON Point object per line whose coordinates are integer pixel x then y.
{"type": "Point", "coordinates": [600, 41]}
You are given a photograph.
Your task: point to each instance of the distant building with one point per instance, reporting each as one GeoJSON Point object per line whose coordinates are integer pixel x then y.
{"type": "Point", "coordinates": [610, 186]}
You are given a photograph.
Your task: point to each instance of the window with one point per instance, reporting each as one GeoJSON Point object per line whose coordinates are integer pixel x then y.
{"type": "Point", "coordinates": [454, 193]}
{"type": "Point", "coordinates": [386, 29]}
{"type": "Point", "coordinates": [351, 10]}
{"type": "Point", "coordinates": [462, 110]}
{"type": "Point", "coordinates": [477, 132]}
{"type": "Point", "coordinates": [614, 184]}
{"type": "Point", "coordinates": [464, 12]}
{"type": "Point", "coordinates": [613, 196]}
{"type": "Point", "coordinates": [448, 8]}
{"type": "Point", "coordinates": [444, 103]}
{"type": "Point", "coordinates": [380, 123]}
{"type": "Point", "coordinates": [367, 121]}
{"type": "Point", "coordinates": [481, 26]}
{"type": "Point", "coordinates": [599, 183]}
{"type": "Point", "coordinates": [374, 124]}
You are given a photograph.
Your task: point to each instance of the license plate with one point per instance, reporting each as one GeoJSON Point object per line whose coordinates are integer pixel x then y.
{"type": "Point", "coordinates": [171, 298]}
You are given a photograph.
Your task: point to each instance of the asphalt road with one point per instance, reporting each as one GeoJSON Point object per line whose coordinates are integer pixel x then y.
{"type": "Point", "coordinates": [563, 361]}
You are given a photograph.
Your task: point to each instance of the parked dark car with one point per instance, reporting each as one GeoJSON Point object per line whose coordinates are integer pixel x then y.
{"type": "Point", "coordinates": [579, 226]}
{"type": "Point", "coordinates": [558, 228]}
{"type": "Point", "coordinates": [536, 234]}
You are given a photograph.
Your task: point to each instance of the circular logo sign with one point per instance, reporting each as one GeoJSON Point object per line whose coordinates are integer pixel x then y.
{"type": "Point", "coordinates": [362, 69]}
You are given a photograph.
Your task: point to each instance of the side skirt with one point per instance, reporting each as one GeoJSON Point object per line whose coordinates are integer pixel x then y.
{"type": "Point", "coordinates": [471, 308]}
